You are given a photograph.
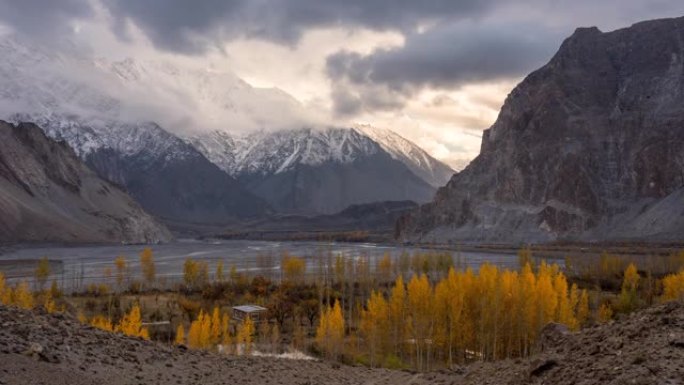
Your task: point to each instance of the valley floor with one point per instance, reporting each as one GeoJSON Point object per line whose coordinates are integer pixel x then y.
{"type": "Point", "coordinates": [646, 347]}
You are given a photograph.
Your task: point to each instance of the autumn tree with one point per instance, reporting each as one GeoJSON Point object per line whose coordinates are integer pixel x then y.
{"type": "Point", "coordinates": [293, 268]}
{"type": "Point", "coordinates": [673, 287]}
{"type": "Point", "coordinates": [583, 308]}
{"type": "Point", "coordinates": [330, 331]}
{"type": "Point", "coordinates": [420, 317]}
{"type": "Point", "coordinates": [384, 268]}
{"type": "Point", "coordinates": [147, 265]}
{"type": "Point", "coordinates": [22, 296]}
{"type": "Point", "coordinates": [244, 335]}
{"type": "Point", "coordinates": [629, 300]}
{"type": "Point", "coordinates": [180, 335]}
{"type": "Point", "coordinates": [131, 324]}
{"type": "Point", "coordinates": [42, 272]}
{"type": "Point", "coordinates": [191, 274]}
{"type": "Point", "coordinates": [216, 325]}
{"type": "Point", "coordinates": [604, 313]}
{"type": "Point", "coordinates": [397, 310]}
{"type": "Point", "coordinates": [48, 302]}
{"type": "Point", "coordinates": [195, 332]}
{"type": "Point", "coordinates": [5, 291]}
{"type": "Point", "coordinates": [375, 326]}
{"type": "Point", "coordinates": [121, 270]}
{"type": "Point", "coordinates": [218, 275]}
{"type": "Point", "coordinates": [226, 338]}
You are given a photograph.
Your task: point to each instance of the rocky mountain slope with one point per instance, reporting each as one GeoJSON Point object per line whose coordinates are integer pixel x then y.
{"type": "Point", "coordinates": [589, 147]}
{"type": "Point", "coordinates": [35, 348]}
{"type": "Point", "coordinates": [320, 171]}
{"type": "Point", "coordinates": [167, 176]}
{"type": "Point", "coordinates": [47, 194]}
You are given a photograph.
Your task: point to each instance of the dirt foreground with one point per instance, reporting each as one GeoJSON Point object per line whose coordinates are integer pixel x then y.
{"type": "Point", "coordinates": [35, 348]}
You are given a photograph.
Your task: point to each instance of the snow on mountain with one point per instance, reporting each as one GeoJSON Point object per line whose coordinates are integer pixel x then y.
{"type": "Point", "coordinates": [415, 158]}
{"type": "Point", "coordinates": [104, 110]}
{"type": "Point", "coordinates": [279, 151]}
{"type": "Point", "coordinates": [105, 115]}
{"type": "Point", "coordinates": [274, 152]}
{"type": "Point", "coordinates": [313, 171]}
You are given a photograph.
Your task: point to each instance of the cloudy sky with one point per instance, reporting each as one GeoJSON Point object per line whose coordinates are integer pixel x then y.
{"type": "Point", "coordinates": [435, 71]}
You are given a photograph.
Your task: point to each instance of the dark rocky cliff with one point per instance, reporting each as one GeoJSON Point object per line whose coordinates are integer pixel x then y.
{"type": "Point", "coordinates": [48, 195]}
{"type": "Point", "coordinates": [589, 147]}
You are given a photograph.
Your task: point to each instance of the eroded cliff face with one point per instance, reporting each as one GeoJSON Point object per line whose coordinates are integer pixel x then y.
{"type": "Point", "coordinates": [48, 195]}
{"type": "Point", "coordinates": [589, 147]}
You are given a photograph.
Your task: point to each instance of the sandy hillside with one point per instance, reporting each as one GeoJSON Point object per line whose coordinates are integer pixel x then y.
{"type": "Point", "coordinates": [644, 348]}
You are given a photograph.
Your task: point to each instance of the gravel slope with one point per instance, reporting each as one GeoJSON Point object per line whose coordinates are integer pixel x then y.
{"type": "Point", "coordinates": [644, 348]}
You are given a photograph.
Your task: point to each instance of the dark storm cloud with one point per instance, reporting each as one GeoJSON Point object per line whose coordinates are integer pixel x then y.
{"type": "Point", "coordinates": [445, 56]}
{"type": "Point", "coordinates": [175, 24]}
{"type": "Point", "coordinates": [178, 25]}
{"type": "Point", "coordinates": [44, 19]}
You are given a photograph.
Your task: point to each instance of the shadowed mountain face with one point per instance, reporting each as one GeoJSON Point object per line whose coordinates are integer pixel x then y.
{"type": "Point", "coordinates": [167, 176]}
{"type": "Point", "coordinates": [590, 146]}
{"type": "Point", "coordinates": [47, 194]}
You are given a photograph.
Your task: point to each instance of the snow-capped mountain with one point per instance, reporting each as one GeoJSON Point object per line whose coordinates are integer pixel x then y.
{"type": "Point", "coordinates": [95, 115]}
{"type": "Point", "coordinates": [314, 170]}
{"type": "Point", "coordinates": [103, 109]}
{"type": "Point", "coordinates": [431, 170]}
{"type": "Point", "coordinates": [274, 152]}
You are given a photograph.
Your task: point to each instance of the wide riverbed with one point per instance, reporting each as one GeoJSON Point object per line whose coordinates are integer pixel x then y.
{"type": "Point", "coordinates": [78, 266]}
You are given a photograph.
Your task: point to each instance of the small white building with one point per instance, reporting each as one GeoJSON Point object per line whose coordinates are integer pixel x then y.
{"type": "Point", "coordinates": [255, 312]}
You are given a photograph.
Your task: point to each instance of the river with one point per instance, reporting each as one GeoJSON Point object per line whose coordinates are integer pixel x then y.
{"type": "Point", "coordinates": [74, 267]}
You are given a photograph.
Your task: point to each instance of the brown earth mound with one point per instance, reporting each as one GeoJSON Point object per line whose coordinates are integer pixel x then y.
{"type": "Point", "coordinates": [646, 347]}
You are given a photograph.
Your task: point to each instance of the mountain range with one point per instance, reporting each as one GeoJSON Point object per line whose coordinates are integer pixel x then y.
{"type": "Point", "coordinates": [136, 124]}
{"type": "Point", "coordinates": [323, 171]}
{"type": "Point", "coordinates": [589, 147]}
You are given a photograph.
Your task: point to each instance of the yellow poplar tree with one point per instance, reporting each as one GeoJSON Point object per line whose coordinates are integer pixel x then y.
{"type": "Point", "coordinates": [205, 331]}
{"type": "Point", "coordinates": [375, 325]}
{"type": "Point", "coordinates": [293, 268]}
{"type": "Point", "coordinates": [216, 326]}
{"type": "Point", "coordinates": [628, 294]}
{"type": "Point", "coordinates": [419, 301]}
{"type": "Point", "coordinates": [244, 335]}
{"type": "Point", "coordinates": [330, 331]}
{"type": "Point", "coordinates": [547, 298]}
{"type": "Point", "coordinates": [605, 313]}
{"type": "Point", "coordinates": [195, 332]}
{"type": "Point", "coordinates": [226, 339]}
{"type": "Point", "coordinates": [397, 309]}
{"type": "Point", "coordinates": [566, 305]}
{"type": "Point", "coordinates": [219, 271]}
{"type": "Point", "coordinates": [147, 265]}
{"type": "Point", "coordinates": [131, 324]}
{"type": "Point", "coordinates": [5, 291]}
{"type": "Point", "coordinates": [583, 308]}
{"type": "Point", "coordinates": [673, 287]}
{"type": "Point", "coordinates": [42, 272]}
{"type": "Point", "coordinates": [49, 302]}
{"type": "Point", "coordinates": [22, 296]}
{"type": "Point", "coordinates": [180, 335]}
{"type": "Point", "coordinates": [384, 268]}
{"type": "Point", "coordinates": [121, 269]}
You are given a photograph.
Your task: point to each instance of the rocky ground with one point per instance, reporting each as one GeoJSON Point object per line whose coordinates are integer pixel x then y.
{"type": "Point", "coordinates": [35, 348]}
